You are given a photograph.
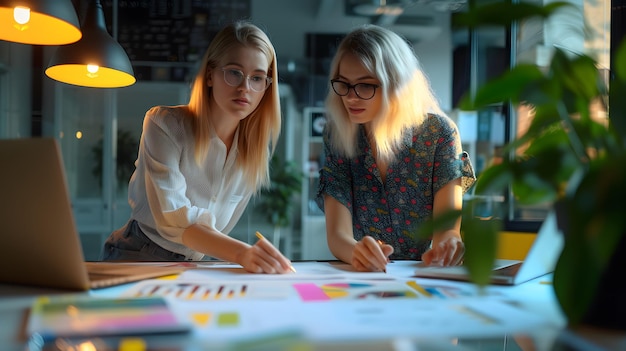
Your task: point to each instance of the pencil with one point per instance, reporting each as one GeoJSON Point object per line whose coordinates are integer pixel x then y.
{"type": "Point", "coordinates": [419, 288]}
{"type": "Point", "coordinates": [381, 243]}
{"type": "Point", "coordinates": [261, 237]}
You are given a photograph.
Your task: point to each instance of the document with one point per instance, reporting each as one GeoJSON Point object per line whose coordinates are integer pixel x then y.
{"type": "Point", "coordinates": [304, 271]}
{"type": "Point", "coordinates": [338, 309]}
{"type": "Point", "coordinates": [329, 301]}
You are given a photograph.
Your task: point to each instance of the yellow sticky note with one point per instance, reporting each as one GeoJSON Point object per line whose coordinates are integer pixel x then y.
{"type": "Point", "coordinates": [201, 319]}
{"type": "Point", "coordinates": [132, 344]}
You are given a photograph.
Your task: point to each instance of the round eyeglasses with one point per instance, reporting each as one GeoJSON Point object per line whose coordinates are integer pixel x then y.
{"type": "Point", "coordinates": [257, 82]}
{"type": "Point", "coordinates": [364, 91]}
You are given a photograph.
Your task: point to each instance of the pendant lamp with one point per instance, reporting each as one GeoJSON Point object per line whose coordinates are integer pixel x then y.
{"type": "Point", "coordinates": [96, 60]}
{"type": "Point", "coordinates": [39, 22]}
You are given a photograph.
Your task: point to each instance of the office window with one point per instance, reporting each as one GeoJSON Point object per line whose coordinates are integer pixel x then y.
{"type": "Point", "coordinates": [583, 29]}
{"type": "Point", "coordinates": [483, 54]}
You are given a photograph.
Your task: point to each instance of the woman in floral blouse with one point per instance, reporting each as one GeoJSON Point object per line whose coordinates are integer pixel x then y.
{"type": "Point", "coordinates": [393, 159]}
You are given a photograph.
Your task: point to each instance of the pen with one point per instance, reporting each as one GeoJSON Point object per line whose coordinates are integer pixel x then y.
{"type": "Point", "coordinates": [381, 243]}
{"type": "Point", "coordinates": [261, 237]}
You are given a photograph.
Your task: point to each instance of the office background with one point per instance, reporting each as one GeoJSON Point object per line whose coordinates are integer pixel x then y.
{"type": "Point", "coordinates": [99, 128]}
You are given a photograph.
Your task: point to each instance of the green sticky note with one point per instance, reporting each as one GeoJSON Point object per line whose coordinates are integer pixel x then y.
{"type": "Point", "coordinates": [228, 319]}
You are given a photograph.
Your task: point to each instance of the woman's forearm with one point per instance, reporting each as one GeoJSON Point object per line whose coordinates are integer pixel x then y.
{"type": "Point", "coordinates": [213, 243]}
{"type": "Point", "coordinates": [339, 229]}
{"type": "Point", "coordinates": [340, 246]}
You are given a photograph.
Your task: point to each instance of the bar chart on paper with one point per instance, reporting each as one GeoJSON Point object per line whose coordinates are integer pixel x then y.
{"type": "Point", "coordinates": [207, 291]}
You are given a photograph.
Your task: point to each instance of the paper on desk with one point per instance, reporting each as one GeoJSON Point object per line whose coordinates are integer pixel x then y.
{"type": "Point", "coordinates": [360, 319]}
{"type": "Point", "coordinates": [304, 291]}
{"type": "Point", "coordinates": [423, 318]}
{"type": "Point", "coordinates": [226, 303]}
{"type": "Point", "coordinates": [304, 271]}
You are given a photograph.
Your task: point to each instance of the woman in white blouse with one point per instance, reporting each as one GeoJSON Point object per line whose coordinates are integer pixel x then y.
{"type": "Point", "coordinates": [199, 164]}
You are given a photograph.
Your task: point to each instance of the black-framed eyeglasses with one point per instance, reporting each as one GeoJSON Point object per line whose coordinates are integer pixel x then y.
{"type": "Point", "coordinates": [363, 91]}
{"type": "Point", "coordinates": [257, 82]}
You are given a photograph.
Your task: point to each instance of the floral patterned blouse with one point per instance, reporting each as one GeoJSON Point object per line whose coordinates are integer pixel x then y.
{"type": "Point", "coordinates": [431, 157]}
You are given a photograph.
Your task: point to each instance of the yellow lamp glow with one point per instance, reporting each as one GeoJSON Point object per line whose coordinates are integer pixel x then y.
{"type": "Point", "coordinates": [39, 22]}
{"type": "Point", "coordinates": [81, 75]}
{"type": "Point", "coordinates": [96, 60]}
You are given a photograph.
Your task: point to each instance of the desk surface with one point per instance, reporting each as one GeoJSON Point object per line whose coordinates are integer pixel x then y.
{"type": "Point", "coordinates": [324, 305]}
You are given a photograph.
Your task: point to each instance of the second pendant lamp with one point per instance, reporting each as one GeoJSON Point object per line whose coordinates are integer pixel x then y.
{"type": "Point", "coordinates": [96, 60]}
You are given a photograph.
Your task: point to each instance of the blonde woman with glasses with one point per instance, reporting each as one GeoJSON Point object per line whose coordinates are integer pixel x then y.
{"type": "Point", "coordinates": [393, 159]}
{"type": "Point", "coordinates": [199, 164]}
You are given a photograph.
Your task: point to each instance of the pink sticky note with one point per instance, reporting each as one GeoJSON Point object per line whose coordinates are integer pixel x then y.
{"type": "Point", "coordinates": [311, 292]}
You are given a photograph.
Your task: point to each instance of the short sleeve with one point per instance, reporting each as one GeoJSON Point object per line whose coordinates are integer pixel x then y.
{"type": "Point", "coordinates": [468, 177]}
{"type": "Point", "coordinates": [450, 161]}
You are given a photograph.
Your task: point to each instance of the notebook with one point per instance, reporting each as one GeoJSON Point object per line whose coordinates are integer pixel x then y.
{"type": "Point", "coordinates": [40, 243]}
{"type": "Point", "coordinates": [540, 260]}
{"type": "Point", "coordinates": [56, 317]}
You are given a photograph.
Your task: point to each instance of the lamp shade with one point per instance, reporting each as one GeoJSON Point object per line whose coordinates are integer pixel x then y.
{"type": "Point", "coordinates": [96, 60]}
{"type": "Point", "coordinates": [39, 22]}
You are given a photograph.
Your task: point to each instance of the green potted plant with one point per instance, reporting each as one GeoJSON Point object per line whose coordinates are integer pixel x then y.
{"type": "Point", "coordinates": [276, 202]}
{"type": "Point", "coordinates": [566, 158]}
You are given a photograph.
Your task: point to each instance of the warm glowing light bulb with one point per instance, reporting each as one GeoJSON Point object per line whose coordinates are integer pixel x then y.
{"type": "Point", "coordinates": [92, 70]}
{"type": "Point", "coordinates": [79, 135]}
{"type": "Point", "coordinates": [21, 14]}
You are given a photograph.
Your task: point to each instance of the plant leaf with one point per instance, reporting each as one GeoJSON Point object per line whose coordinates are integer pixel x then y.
{"type": "Point", "coordinates": [481, 242]}
{"type": "Point", "coordinates": [618, 92]}
{"type": "Point", "coordinates": [510, 84]}
{"type": "Point", "coordinates": [427, 228]}
{"type": "Point", "coordinates": [276, 201]}
{"type": "Point", "coordinates": [493, 179]}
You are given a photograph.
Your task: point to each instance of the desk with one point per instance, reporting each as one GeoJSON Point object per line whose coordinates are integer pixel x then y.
{"type": "Point", "coordinates": [361, 311]}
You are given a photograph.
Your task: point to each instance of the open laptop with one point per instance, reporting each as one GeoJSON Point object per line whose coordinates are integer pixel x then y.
{"type": "Point", "coordinates": [540, 260]}
{"type": "Point", "coordinates": [40, 245]}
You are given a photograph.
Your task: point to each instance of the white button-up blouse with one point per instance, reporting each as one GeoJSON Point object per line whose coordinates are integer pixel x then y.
{"type": "Point", "coordinates": [169, 191]}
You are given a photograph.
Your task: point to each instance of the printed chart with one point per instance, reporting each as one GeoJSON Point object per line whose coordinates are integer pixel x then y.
{"type": "Point", "coordinates": [374, 290]}
{"type": "Point", "coordinates": [207, 291]}
{"type": "Point", "coordinates": [304, 291]}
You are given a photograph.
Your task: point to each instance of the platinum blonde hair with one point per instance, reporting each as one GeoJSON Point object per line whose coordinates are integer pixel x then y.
{"type": "Point", "coordinates": [406, 93]}
{"type": "Point", "coordinates": [259, 132]}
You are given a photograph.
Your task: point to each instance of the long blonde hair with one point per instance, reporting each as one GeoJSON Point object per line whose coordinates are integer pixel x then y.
{"type": "Point", "coordinates": [406, 93]}
{"type": "Point", "coordinates": [259, 132]}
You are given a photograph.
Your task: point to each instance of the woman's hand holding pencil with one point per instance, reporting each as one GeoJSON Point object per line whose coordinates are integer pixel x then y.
{"type": "Point", "coordinates": [371, 255]}
{"type": "Point", "coordinates": [263, 257]}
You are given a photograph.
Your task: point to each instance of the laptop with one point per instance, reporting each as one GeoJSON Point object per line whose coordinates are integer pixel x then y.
{"type": "Point", "coordinates": [40, 243]}
{"type": "Point", "coordinates": [540, 260]}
